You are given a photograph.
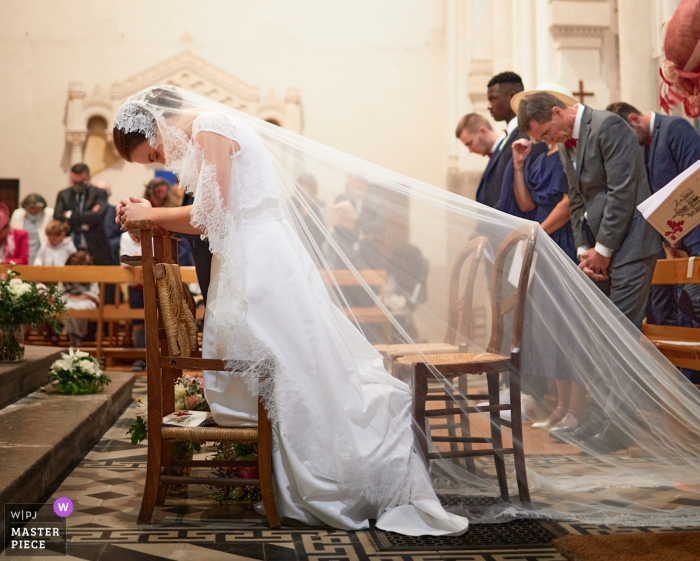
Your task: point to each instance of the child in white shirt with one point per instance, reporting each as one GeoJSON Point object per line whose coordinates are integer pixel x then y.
{"type": "Point", "coordinates": [57, 247]}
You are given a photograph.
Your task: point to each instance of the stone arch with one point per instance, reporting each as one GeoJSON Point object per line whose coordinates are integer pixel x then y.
{"type": "Point", "coordinates": [185, 70]}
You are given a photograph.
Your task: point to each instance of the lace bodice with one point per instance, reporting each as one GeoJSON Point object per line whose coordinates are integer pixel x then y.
{"type": "Point", "coordinates": [253, 181]}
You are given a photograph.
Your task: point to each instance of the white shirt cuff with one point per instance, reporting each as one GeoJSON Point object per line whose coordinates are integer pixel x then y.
{"type": "Point", "coordinates": [604, 251]}
{"type": "Point", "coordinates": [582, 249]}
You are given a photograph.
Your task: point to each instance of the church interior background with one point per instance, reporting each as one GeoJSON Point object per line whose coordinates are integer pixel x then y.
{"type": "Point", "coordinates": [384, 81]}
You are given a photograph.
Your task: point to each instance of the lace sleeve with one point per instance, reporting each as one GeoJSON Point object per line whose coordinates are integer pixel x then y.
{"type": "Point", "coordinates": [215, 141]}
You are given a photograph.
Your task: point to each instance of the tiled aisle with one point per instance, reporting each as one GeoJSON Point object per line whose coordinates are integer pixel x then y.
{"type": "Point", "coordinates": [106, 489]}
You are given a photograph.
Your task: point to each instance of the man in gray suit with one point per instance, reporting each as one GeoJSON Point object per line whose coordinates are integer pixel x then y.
{"type": "Point", "coordinates": [617, 248]}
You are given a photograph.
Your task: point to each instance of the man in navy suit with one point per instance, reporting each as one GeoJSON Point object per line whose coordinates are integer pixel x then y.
{"type": "Point", "coordinates": [671, 145]}
{"type": "Point", "coordinates": [501, 88]}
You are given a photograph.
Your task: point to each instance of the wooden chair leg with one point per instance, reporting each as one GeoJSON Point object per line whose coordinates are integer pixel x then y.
{"type": "Point", "coordinates": [497, 440]}
{"type": "Point", "coordinates": [150, 491]}
{"type": "Point", "coordinates": [516, 418]}
{"type": "Point", "coordinates": [265, 467]}
{"type": "Point", "coordinates": [166, 461]}
{"type": "Point", "coordinates": [420, 392]}
{"type": "Point", "coordinates": [463, 387]}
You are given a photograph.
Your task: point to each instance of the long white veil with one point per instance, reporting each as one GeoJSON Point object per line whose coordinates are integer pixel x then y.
{"type": "Point", "coordinates": [352, 216]}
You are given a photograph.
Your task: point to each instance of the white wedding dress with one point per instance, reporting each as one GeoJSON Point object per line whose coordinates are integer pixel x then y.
{"type": "Point", "coordinates": [343, 444]}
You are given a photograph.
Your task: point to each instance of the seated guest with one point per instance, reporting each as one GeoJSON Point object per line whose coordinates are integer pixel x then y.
{"type": "Point", "coordinates": [79, 296]}
{"type": "Point", "coordinates": [57, 248]}
{"type": "Point", "coordinates": [14, 243]}
{"type": "Point", "coordinates": [33, 217]}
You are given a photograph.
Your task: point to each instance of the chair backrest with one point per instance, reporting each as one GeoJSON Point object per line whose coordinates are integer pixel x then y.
{"type": "Point", "coordinates": [158, 246]}
{"type": "Point", "coordinates": [174, 310]}
{"type": "Point", "coordinates": [500, 305]}
{"type": "Point", "coordinates": [459, 316]}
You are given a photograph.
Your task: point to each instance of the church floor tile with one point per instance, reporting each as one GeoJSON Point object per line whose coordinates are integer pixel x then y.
{"type": "Point", "coordinates": [106, 489]}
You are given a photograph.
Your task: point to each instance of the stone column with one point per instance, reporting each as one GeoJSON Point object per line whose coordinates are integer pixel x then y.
{"type": "Point", "coordinates": [76, 131]}
{"type": "Point", "coordinates": [638, 72]}
{"type": "Point", "coordinates": [76, 139]}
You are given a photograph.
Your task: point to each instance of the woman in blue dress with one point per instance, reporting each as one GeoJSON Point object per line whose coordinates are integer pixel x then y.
{"type": "Point", "coordinates": [541, 193]}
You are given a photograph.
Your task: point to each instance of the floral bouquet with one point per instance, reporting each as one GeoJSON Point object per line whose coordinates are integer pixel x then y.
{"type": "Point", "coordinates": [189, 395]}
{"type": "Point", "coordinates": [230, 494]}
{"type": "Point", "coordinates": [76, 373]}
{"type": "Point", "coordinates": [24, 303]}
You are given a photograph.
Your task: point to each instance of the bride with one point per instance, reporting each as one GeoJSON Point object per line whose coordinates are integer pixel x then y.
{"type": "Point", "coordinates": [343, 448]}
{"type": "Point", "coordinates": [343, 443]}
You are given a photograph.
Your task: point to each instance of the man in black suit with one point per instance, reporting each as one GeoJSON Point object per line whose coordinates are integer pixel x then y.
{"type": "Point", "coordinates": [501, 88]}
{"type": "Point", "coordinates": [84, 207]}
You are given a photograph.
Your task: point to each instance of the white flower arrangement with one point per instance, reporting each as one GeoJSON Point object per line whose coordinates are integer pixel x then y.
{"type": "Point", "coordinates": [76, 372]}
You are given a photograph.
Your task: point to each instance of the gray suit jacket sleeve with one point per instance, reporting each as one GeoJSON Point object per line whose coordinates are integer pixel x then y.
{"type": "Point", "coordinates": [577, 204]}
{"type": "Point", "coordinates": [618, 146]}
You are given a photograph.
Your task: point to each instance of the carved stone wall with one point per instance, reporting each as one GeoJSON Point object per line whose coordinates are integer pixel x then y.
{"type": "Point", "coordinates": [185, 70]}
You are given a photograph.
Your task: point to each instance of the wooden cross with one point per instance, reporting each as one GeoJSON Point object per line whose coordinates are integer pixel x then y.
{"type": "Point", "coordinates": [581, 93]}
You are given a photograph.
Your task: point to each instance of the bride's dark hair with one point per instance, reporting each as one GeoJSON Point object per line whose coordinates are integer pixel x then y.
{"type": "Point", "coordinates": [126, 142]}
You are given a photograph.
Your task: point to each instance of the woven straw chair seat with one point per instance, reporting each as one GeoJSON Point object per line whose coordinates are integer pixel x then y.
{"type": "Point", "coordinates": [460, 363]}
{"type": "Point", "coordinates": [217, 433]}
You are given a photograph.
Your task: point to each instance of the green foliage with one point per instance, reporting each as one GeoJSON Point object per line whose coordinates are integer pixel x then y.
{"type": "Point", "coordinates": [138, 430]}
{"type": "Point", "coordinates": [76, 372]}
{"type": "Point", "coordinates": [24, 302]}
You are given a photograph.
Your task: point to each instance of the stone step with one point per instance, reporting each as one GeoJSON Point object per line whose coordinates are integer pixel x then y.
{"type": "Point", "coordinates": [18, 379]}
{"type": "Point", "coordinates": [45, 434]}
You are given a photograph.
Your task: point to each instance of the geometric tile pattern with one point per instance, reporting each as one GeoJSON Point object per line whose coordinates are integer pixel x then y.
{"type": "Point", "coordinates": [106, 489]}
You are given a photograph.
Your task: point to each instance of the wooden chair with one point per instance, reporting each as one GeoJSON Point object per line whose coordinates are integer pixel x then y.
{"type": "Point", "coordinates": [171, 346]}
{"type": "Point", "coordinates": [458, 336]}
{"type": "Point", "coordinates": [459, 324]}
{"type": "Point", "coordinates": [490, 363]}
{"type": "Point", "coordinates": [680, 345]}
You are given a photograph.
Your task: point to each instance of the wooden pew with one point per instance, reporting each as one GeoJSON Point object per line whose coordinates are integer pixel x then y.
{"type": "Point", "coordinates": [120, 311]}
{"type": "Point", "coordinates": [103, 313]}
{"type": "Point", "coordinates": [376, 279]}
{"type": "Point", "coordinates": [681, 345]}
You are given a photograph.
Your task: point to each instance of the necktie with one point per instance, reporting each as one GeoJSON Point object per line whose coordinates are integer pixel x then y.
{"type": "Point", "coordinates": [571, 143]}
{"type": "Point", "coordinates": [649, 141]}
